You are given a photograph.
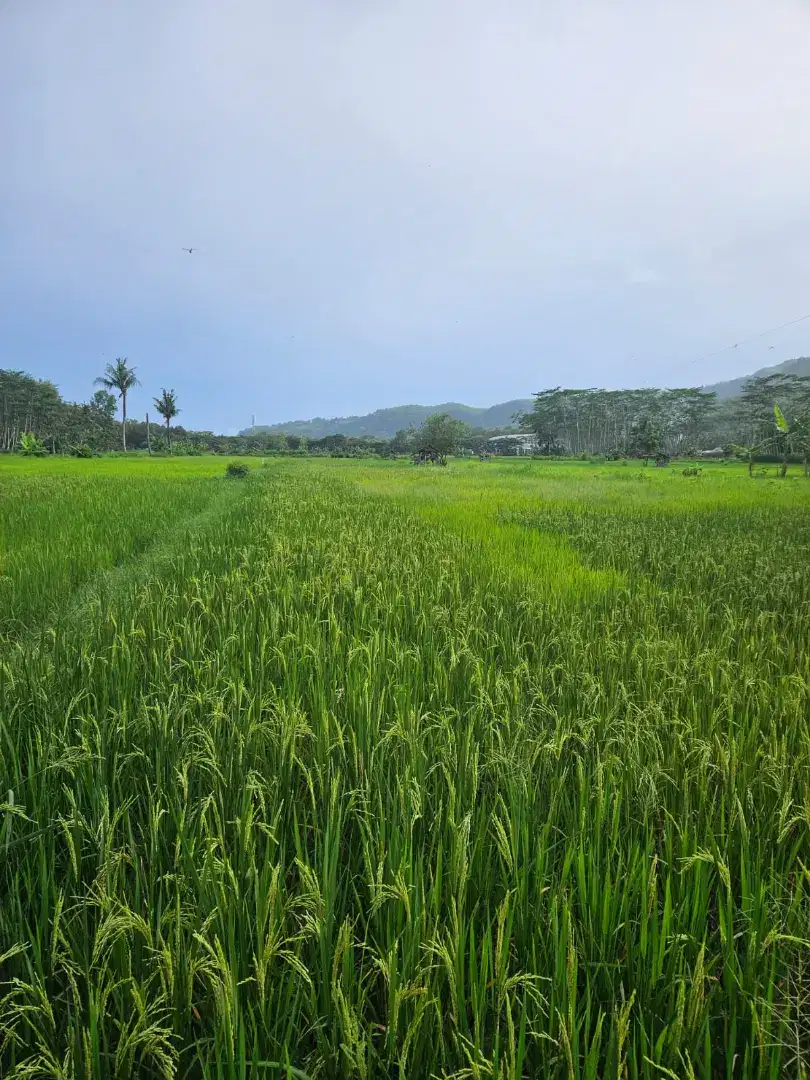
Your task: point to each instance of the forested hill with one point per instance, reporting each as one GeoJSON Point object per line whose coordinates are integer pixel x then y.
{"type": "Point", "coordinates": [731, 388]}
{"type": "Point", "coordinates": [385, 423]}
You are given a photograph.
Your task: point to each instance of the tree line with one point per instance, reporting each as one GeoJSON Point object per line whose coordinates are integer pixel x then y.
{"type": "Point", "coordinates": [35, 418]}
{"type": "Point", "coordinates": [769, 418]}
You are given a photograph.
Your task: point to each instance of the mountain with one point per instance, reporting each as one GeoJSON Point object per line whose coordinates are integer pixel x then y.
{"type": "Point", "coordinates": [730, 389]}
{"type": "Point", "coordinates": [385, 423]}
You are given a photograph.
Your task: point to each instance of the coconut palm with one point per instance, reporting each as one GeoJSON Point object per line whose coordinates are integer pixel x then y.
{"type": "Point", "coordinates": [121, 378]}
{"type": "Point", "coordinates": [166, 405]}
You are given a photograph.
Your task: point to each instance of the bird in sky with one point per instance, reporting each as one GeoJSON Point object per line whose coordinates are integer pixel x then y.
{"type": "Point", "coordinates": [189, 250]}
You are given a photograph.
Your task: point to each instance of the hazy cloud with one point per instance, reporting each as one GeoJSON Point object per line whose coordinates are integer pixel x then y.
{"type": "Point", "coordinates": [421, 200]}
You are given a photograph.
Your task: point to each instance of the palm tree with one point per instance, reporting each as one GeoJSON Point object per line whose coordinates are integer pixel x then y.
{"type": "Point", "coordinates": [120, 377]}
{"type": "Point", "coordinates": [166, 405]}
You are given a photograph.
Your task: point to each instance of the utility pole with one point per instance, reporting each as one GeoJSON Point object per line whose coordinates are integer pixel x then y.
{"type": "Point", "coordinates": [148, 435]}
{"type": "Point", "coordinates": [253, 424]}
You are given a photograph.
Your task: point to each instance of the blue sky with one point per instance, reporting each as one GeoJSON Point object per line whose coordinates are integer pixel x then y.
{"type": "Point", "coordinates": [400, 201]}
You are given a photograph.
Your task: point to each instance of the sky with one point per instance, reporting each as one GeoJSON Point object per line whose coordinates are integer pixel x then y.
{"type": "Point", "coordinates": [400, 201]}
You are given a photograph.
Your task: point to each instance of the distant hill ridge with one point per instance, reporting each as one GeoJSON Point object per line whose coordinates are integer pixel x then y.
{"type": "Point", "coordinates": [730, 389]}
{"type": "Point", "coordinates": [385, 423]}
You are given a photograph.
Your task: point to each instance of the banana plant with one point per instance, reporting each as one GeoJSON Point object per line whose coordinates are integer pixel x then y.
{"type": "Point", "coordinates": [748, 452]}
{"type": "Point", "coordinates": [31, 446]}
{"type": "Point", "coordinates": [795, 434]}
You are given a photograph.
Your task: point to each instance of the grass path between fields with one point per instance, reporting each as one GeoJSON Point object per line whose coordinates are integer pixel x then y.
{"type": "Point", "coordinates": [62, 539]}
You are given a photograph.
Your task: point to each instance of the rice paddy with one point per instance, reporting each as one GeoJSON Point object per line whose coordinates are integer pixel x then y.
{"type": "Point", "coordinates": [360, 769]}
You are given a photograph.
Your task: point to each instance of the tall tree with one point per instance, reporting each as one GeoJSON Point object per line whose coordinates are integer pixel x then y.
{"type": "Point", "coordinates": [439, 436]}
{"type": "Point", "coordinates": [166, 405]}
{"type": "Point", "coordinates": [646, 440]}
{"type": "Point", "coordinates": [26, 405]}
{"type": "Point", "coordinates": [120, 377]}
{"type": "Point", "coordinates": [104, 404]}
{"type": "Point", "coordinates": [402, 442]}
{"type": "Point", "coordinates": [605, 421]}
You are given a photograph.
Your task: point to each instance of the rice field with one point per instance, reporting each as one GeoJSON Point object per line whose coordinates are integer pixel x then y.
{"type": "Point", "coordinates": [64, 521]}
{"type": "Point", "coordinates": [360, 769]}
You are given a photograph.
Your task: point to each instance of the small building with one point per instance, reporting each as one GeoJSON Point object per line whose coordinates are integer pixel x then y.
{"type": "Point", "coordinates": [522, 443]}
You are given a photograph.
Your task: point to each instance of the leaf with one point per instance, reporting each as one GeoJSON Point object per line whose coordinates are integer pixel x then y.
{"type": "Point", "coordinates": [781, 422]}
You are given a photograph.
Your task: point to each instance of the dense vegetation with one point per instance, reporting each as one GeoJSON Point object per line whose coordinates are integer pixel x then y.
{"type": "Point", "coordinates": [359, 770]}
{"type": "Point", "coordinates": [61, 526]}
{"type": "Point", "coordinates": [616, 423]}
{"type": "Point", "coordinates": [643, 423]}
{"type": "Point", "coordinates": [385, 423]}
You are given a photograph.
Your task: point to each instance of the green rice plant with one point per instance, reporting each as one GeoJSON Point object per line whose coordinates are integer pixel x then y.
{"type": "Point", "coordinates": [62, 521]}
{"type": "Point", "coordinates": [499, 771]}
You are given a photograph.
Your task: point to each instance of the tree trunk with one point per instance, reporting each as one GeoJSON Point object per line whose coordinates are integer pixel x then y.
{"type": "Point", "coordinates": [168, 434]}
{"type": "Point", "coordinates": [148, 435]}
{"type": "Point", "coordinates": [124, 418]}
{"type": "Point", "coordinates": [750, 464]}
{"type": "Point", "coordinates": [785, 459]}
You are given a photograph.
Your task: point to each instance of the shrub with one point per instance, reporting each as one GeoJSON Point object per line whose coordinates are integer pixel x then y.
{"type": "Point", "coordinates": [82, 451]}
{"type": "Point", "coordinates": [236, 469]}
{"type": "Point", "coordinates": [31, 446]}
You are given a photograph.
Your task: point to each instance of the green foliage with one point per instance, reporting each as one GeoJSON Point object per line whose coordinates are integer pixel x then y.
{"type": "Point", "coordinates": [764, 400]}
{"type": "Point", "coordinates": [167, 406]}
{"type": "Point", "coordinates": [82, 451]}
{"type": "Point", "coordinates": [638, 423]}
{"type": "Point", "coordinates": [645, 439]}
{"type": "Point", "coordinates": [104, 403]}
{"type": "Point", "coordinates": [387, 423]}
{"type": "Point", "coordinates": [373, 771]}
{"type": "Point", "coordinates": [236, 469]}
{"type": "Point", "coordinates": [120, 377]}
{"type": "Point", "coordinates": [439, 436]}
{"type": "Point", "coordinates": [69, 519]}
{"type": "Point", "coordinates": [31, 446]}
{"type": "Point", "coordinates": [26, 405]}
{"type": "Point", "coordinates": [403, 440]}
{"type": "Point", "coordinates": [731, 388]}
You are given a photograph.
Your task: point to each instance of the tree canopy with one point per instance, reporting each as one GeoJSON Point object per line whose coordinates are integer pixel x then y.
{"type": "Point", "coordinates": [439, 436]}
{"type": "Point", "coordinates": [121, 377]}
{"type": "Point", "coordinates": [167, 406]}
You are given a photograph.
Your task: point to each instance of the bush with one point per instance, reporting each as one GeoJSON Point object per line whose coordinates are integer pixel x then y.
{"type": "Point", "coordinates": [31, 446]}
{"type": "Point", "coordinates": [82, 451]}
{"type": "Point", "coordinates": [236, 469]}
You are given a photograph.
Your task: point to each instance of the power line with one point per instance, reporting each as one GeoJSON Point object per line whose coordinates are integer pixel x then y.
{"type": "Point", "coordinates": [747, 341]}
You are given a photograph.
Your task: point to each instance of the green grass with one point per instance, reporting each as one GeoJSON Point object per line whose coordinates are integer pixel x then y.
{"type": "Point", "coordinates": [63, 520]}
{"type": "Point", "coordinates": [370, 770]}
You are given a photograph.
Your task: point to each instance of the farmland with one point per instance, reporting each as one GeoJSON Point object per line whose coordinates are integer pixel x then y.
{"type": "Point", "coordinates": [361, 769]}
